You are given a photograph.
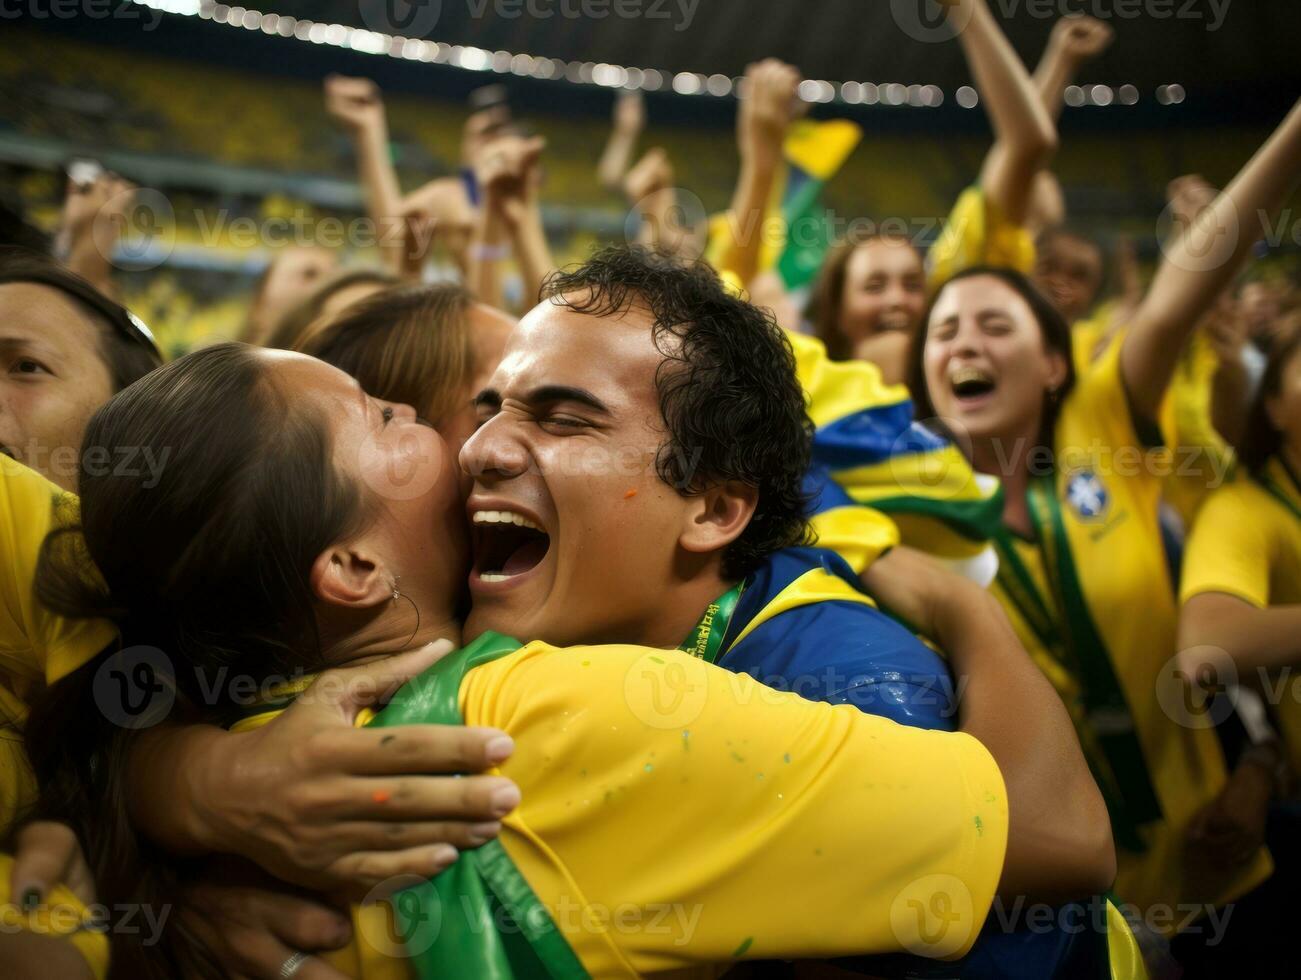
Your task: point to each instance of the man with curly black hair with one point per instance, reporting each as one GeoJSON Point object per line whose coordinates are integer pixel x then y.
{"type": "Point", "coordinates": [639, 477]}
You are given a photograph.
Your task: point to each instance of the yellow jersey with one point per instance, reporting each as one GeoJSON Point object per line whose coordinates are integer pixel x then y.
{"type": "Point", "coordinates": [37, 647]}
{"type": "Point", "coordinates": [977, 233]}
{"type": "Point", "coordinates": [1246, 542]}
{"type": "Point", "coordinates": [677, 817]}
{"type": "Point", "coordinates": [1108, 496]}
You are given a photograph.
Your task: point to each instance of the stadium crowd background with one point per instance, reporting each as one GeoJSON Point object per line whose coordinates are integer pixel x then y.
{"type": "Point", "coordinates": [151, 104]}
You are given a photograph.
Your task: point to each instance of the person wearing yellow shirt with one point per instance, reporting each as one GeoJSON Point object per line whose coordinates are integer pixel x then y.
{"type": "Point", "coordinates": [1241, 587]}
{"type": "Point", "coordinates": [667, 752]}
{"type": "Point", "coordinates": [37, 646]}
{"type": "Point", "coordinates": [1082, 569]}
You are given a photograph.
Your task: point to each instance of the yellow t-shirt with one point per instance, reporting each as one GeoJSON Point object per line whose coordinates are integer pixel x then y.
{"type": "Point", "coordinates": [778, 827]}
{"type": "Point", "coordinates": [1109, 500]}
{"type": "Point", "coordinates": [1200, 456]}
{"type": "Point", "coordinates": [1247, 543]}
{"type": "Point", "coordinates": [679, 817]}
{"type": "Point", "coordinates": [36, 646]}
{"type": "Point", "coordinates": [976, 233]}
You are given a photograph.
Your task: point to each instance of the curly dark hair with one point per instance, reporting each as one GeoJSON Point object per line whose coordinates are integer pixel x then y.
{"type": "Point", "coordinates": [728, 394]}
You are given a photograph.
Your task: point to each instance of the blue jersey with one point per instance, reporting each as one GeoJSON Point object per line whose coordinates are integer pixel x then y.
{"type": "Point", "coordinates": [803, 624]}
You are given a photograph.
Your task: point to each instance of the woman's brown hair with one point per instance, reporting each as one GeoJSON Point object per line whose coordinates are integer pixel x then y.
{"type": "Point", "coordinates": [829, 292]}
{"type": "Point", "coordinates": [206, 562]}
{"type": "Point", "coordinates": [408, 344]}
{"type": "Point", "coordinates": [291, 326]}
{"type": "Point", "coordinates": [1261, 439]}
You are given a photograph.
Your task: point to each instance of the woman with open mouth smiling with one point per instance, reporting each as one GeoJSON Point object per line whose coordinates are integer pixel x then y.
{"type": "Point", "coordinates": [994, 367]}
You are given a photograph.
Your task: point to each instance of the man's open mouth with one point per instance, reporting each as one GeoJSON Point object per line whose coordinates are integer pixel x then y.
{"type": "Point", "coordinates": [506, 544]}
{"type": "Point", "coordinates": [970, 383]}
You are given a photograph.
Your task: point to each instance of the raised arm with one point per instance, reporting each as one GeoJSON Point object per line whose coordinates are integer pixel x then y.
{"type": "Point", "coordinates": [510, 218]}
{"type": "Point", "coordinates": [357, 105]}
{"type": "Point", "coordinates": [94, 217]}
{"type": "Point", "coordinates": [1059, 840]}
{"type": "Point", "coordinates": [1074, 40]}
{"type": "Point", "coordinates": [1024, 134]}
{"type": "Point", "coordinates": [1201, 263]}
{"type": "Point", "coordinates": [629, 120]}
{"type": "Point", "coordinates": [763, 117]}
{"type": "Point", "coordinates": [522, 210]}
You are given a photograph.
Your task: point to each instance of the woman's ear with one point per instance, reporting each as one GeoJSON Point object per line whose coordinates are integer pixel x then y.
{"type": "Point", "coordinates": [717, 517]}
{"type": "Point", "coordinates": [1057, 369]}
{"type": "Point", "coordinates": [344, 576]}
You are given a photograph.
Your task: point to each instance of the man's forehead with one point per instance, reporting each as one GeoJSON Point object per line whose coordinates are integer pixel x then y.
{"type": "Point", "coordinates": [555, 343]}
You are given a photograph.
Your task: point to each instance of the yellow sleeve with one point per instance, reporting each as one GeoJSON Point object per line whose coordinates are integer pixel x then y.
{"type": "Point", "coordinates": [1230, 547]}
{"type": "Point", "coordinates": [858, 534]}
{"type": "Point", "coordinates": [976, 233]}
{"type": "Point", "coordinates": [676, 814]}
{"type": "Point", "coordinates": [34, 642]}
{"type": "Point", "coordinates": [62, 917]}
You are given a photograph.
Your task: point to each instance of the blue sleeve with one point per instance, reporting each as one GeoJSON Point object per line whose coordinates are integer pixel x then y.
{"type": "Point", "coordinates": [850, 653]}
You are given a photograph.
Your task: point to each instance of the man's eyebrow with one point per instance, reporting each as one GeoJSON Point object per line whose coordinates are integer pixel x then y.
{"type": "Point", "coordinates": [488, 398]}
{"type": "Point", "coordinates": [545, 395]}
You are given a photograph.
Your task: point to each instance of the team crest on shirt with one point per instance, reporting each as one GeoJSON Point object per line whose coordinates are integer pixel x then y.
{"type": "Point", "coordinates": [1087, 495]}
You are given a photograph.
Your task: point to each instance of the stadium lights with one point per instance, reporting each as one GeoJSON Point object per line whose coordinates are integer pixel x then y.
{"type": "Point", "coordinates": [468, 58]}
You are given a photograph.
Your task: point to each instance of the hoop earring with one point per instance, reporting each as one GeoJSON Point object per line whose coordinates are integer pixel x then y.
{"type": "Point", "coordinates": [398, 594]}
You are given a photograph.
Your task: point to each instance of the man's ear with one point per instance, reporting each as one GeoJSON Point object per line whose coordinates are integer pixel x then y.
{"type": "Point", "coordinates": [717, 517]}
{"type": "Point", "coordinates": [345, 575]}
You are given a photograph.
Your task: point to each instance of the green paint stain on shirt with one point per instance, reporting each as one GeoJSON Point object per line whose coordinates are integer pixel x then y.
{"type": "Point", "coordinates": [650, 768]}
{"type": "Point", "coordinates": [658, 660]}
{"type": "Point", "coordinates": [980, 828]}
{"type": "Point", "coordinates": [786, 758]}
{"type": "Point", "coordinates": [745, 944]}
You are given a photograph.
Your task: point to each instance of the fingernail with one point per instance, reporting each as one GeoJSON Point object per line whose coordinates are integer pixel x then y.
{"type": "Point", "coordinates": [505, 799]}
{"type": "Point", "coordinates": [481, 833]}
{"type": "Point", "coordinates": [443, 855]}
{"type": "Point", "coordinates": [31, 899]}
{"type": "Point", "coordinates": [341, 933]}
{"type": "Point", "coordinates": [500, 748]}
